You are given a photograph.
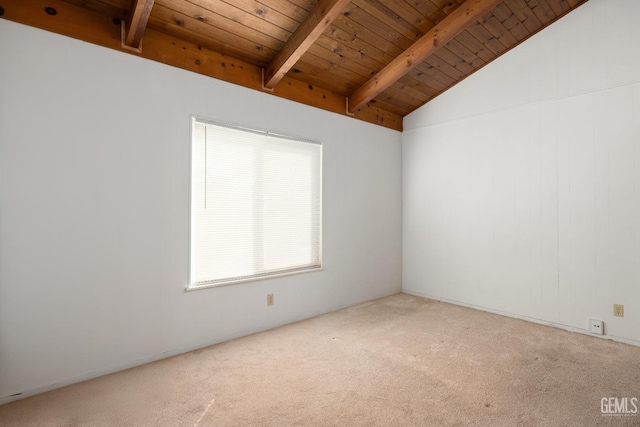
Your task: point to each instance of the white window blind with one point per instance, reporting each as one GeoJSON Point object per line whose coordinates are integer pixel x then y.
{"type": "Point", "coordinates": [255, 204]}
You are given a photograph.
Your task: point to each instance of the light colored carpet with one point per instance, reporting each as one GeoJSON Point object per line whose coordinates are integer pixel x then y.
{"type": "Point", "coordinates": [400, 360]}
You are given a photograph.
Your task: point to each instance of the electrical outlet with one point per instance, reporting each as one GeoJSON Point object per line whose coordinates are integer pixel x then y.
{"type": "Point", "coordinates": [270, 299]}
{"type": "Point", "coordinates": [618, 310]}
{"type": "Point", "coordinates": [596, 326]}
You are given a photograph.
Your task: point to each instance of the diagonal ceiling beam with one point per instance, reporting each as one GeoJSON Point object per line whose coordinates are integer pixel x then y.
{"type": "Point", "coordinates": [137, 22]}
{"type": "Point", "coordinates": [438, 36]}
{"type": "Point", "coordinates": [307, 33]}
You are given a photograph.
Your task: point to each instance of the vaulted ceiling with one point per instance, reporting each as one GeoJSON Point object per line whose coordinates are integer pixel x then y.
{"type": "Point", "coordinates": [375, 60]}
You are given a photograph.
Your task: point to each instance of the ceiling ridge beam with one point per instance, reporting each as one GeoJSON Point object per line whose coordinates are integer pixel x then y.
{"type": "Point", "coordinates": [137, 22]}
{"type": "Point", "coordinates": [438, 36]}
{"type": "Point", "coordinates": [302, 38]}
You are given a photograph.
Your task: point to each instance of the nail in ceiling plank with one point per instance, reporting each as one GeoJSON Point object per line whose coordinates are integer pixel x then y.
{"type": "Point", "coordinates": [137, 22]}
{"type": "Point", "coordinates": [303, 37]}
{"type": "Point", "coordinates": [438, 36]}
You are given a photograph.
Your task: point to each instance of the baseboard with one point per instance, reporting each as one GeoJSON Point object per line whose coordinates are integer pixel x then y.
{"type": "Point", "coordinates": [522, 317]}
{"type": "Point", "coordinates": [177, 351]}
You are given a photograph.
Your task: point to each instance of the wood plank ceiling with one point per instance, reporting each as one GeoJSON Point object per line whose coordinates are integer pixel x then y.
{"type": "Point", "coordinates": [376, 60]}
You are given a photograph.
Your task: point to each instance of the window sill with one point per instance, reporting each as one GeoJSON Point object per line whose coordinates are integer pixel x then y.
{"type": "Point", "coordinates": [252, 279]}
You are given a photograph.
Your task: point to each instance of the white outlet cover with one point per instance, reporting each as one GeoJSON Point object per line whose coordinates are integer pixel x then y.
{"type": "Point", "coordinates": [596, 326]}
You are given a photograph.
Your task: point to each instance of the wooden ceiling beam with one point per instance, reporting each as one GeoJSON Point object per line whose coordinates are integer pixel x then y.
{"type": "Point", "coordinates": [438, 36]}
{"type": "Point", "coordinates": [63, 17]}
{"type": "Point", "coordinates": [137, 22]}
{"type": "Point", "coordinates": [303, 37]}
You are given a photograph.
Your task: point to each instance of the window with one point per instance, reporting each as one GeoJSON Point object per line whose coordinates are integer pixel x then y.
{"type": "Point", "coordinates": [255, 204]}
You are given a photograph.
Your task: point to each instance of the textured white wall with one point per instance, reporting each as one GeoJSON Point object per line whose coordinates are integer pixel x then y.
{"type": "Point", "coordinates": [94, 212]}
{"type": "Point", "coordinates": [521, 185]}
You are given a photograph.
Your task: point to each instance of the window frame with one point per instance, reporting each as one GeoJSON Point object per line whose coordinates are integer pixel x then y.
{"type": "Point", "coordinates": [191, 286]}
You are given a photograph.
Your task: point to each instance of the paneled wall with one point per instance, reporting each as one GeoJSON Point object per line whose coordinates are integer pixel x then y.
{"type": "Point", "coordinates": [521, 185]}
{"type": "Point", "coordinates": [94, 212]}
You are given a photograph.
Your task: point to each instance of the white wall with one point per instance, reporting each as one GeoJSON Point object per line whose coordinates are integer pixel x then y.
{"type": "Point", "coordinates": [94, 219]}
{"type": "Point", "coordinates": [521, 185]}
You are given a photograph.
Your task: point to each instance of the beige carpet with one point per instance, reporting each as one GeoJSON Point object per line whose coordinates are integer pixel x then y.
{"type": "Point", "coordinates": [399, 360]}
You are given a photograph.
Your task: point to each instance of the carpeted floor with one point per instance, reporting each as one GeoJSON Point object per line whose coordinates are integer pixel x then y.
{"type": "Point", "coordinates": [400, 360]}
